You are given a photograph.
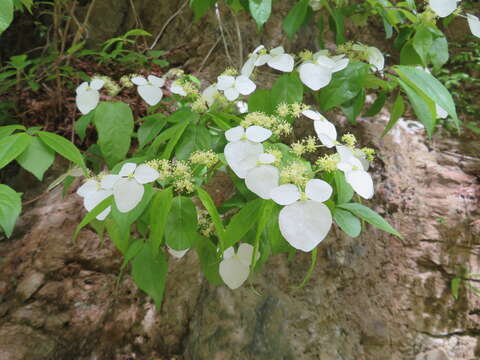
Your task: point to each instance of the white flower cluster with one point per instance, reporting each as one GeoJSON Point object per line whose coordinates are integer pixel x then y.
{"type": "Point", "coordinates": [443, 8]}
{"type": "Point", "coordinates": [127, 188]}
{"type": "Point", "coordinates": [305, 220]}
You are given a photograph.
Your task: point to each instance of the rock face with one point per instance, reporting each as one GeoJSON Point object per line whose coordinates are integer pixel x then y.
{"type": "Point", "coordinates": [374, 297]}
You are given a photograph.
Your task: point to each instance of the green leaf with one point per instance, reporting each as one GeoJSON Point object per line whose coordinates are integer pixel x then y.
{"type": "Point", "coordinates": [287, 89]}
{"type": "Point", "coordinates": [241, 223]}
{"type": "Point", "coordinates": [438, 52]}
{"type": "Point", "coordinates": [62, 146]}
{"type": "Point", "coordinates": [6, 14]}
{"type": "Point", "coordinates": [422, 42]}
{"type": "Point", "coordinates": [260, 10]}
{"type": "Point", "coordinates": [160, 208]}
{"type": "Point", "coordinates": [338, 27]}
{"type": "Point", "coordinates": [423, 109]}
{"type": "Point", "coordinates": [149, 272]}
{"type": "Point", "coordinates": [93, 214]}
{"type": "Point", "coordinates": [193, 139]}
{"type": "Point", "coordinates": [207, 253]}
{"type": "Point", "coordinates": [133, 250]}
{"type": "Point", "coordinates": [344, 191]}
{"type": "Point", "coordinates": [37, 158]}
{"type": "Point", "coordinates": [167, 152]}
{"type": "Point", "coordinates": [114, 123]}
{"type": "Point", "coordinates": [82, 123]}
{"type": "Point", "coordinates": [10, 208]}
{"type": "Point", "coordinates": [455, 285]}
{"type": "Point", "coordinates": [375, 108]}
{"type": "Point", "coordinates": [397, 111]}
{"type": "Point", "coordinates": [353, 108]}
{"type": "Point", "coordinates": [200, 7]}
{"type": "Point", "coordinates": [370, 216]}
{"type": "Point", "coordinates": [151, 127]}
{"type": "Point", "coordinates": [9, 129]}
{"type": "Point", "coordinates": [212, 210]}
{"type": "Point", "coordinates": [429, 87]}
{"type": "Point", "coordinates": [181, 225]}
{"type": "Point", "coordinates": [408, 55]}
{"type": "Point", "coordinates": [261, 100]}
{"type": "Point", "coordinates": [345, 85]}
{"type": "Point", "coordinates": [295, 18]}
{"type": "Point", "coordinates": [12, 146]}
{"type": "Point", "coordinates": [348, 222]}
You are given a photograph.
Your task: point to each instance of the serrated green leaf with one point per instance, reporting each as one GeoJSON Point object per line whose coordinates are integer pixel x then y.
{"type": "Point", "coordinates": [10, 208]}
{"type": "Point", "coordinates": [36, 158]}
{"type": "Point", "coordinates": [422, 42]}
{"type": "Point", "coordinates": [370, 216]}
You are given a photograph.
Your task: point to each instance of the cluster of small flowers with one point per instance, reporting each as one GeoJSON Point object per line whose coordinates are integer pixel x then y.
{"type": "Point", "coordinates": [205, 224]}
{"type": "Point", "coordinates": [177, 172]}
{"type": "Point", "coordinates": [279, 127]}
{"type": "Point", "coordinates": [307, 145]}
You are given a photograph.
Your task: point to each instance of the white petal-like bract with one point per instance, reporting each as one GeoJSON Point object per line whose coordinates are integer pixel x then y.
{"type": "Point", "coordinates": [156, 81]}
{"type": "Point", "coordinates": [326, 132]}
{"type": "Point", "coordinates": [242, 107]}
{"type": "Point", "coordinates": [150, 94]}
{"type": "Point", "coordinates": [178, 89]}
{"type": "Point", "coordinates": [139, 80]}
{"type": "Point", "coordinates": [127, 169]}
{"type": "Point", "coordinates": [242, 156]}
{"type": "Point", "coordinates": [474, 24]}
{"type": "Point", "coordinates": [225, 82]}
{"type": "Point", "coordinates": [245, 253]}
{"type": "Point", "coordinates": [443, 8]}
{"type": "Point", "coordinates": [314, 115]}
{"type": "Point", "coordinates": [318, 190]}
{"type": "Point", "coordinates": [361, 182]}
{"type": "Point", "coordinates": [127, 194]}
{"type": "Point", "coordinates": [314, 76]}
{"type": "Point", "coordinates": [304, 224]}
{"type": "Point", "coordinates": [231, 94]}
{"type": "Point", "coordinates": [210, 93]}
{"type": "Point", "coordinates": [178, 254]}
{"type": "Point", "coordinates": [257, 133]}
{"type": "Point", "coordinates": [97, 84]}
{"type": "Point", "coordinates": [235, 134]}
{"type": "Point", "coordinates": [108, 181]}
{"type": "Point", "coordinates": [93, 199]}
{"type": "Point", "coordinates": [144, 174]}
{"type": "Point", "coordinates": [88, 187]}
{"type": "Point", "coordinates": [267, 158]}
{"type": "Point", "coordinates": [262, 180]}
{"type": "Point", "coordinates": [87, 100]}
{"type": "Point", "coordinates": [285, 194]}
{"type": "Point", "coordinates": [282, 62]}
{"type": "Point", "coordinates": [233, 272]}
{"type": "Point", "coordinates": [244, 85]}
{"type": "Point", "coordinates": [375, 58]}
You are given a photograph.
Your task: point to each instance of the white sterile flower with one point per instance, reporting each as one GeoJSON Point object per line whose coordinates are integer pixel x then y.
{"type": "Point", "coordinates": [244, 148]}
{"type": "Point", "coordinates": [317, 73]}
{"type": "Point", "coordinates": [355, 173]}
{"type": "Point", "coordinates": [277, 59]}
{"type": "Point", "coordinates": [93, 194]}
{"type": "Point", "coordinates": [443, 8]}
{"type": "Point", "coordinates": [235, 267]}
{"type": "Point", "coordinates": [177, 88]}
{"type": "Point", "coordinates": [149, 90]}
{"type": "Point", "coordinates": [374, 56]}
{"type": "Point", "coordinates": [178, 254]}
{"type": "Point", "coordinates": [474, 24]}
{"type": "Point", "coordinates": [250, 64]}
{"type": "Point", "coordinates": [242, 107]}
{"type": "Point", "coordinates": [326, 131]}
{"type": "Point", "coordinates": [232, 86]}
{"type": "Point", "coordinates": [263, 178]}
{"type": "Point", "coordinates": [88, 96]}
{"type": "Point", "coordinates": [304, 222]}
{"type": "Point", "coordinates": [128, 184]}
{"type": "Point", "coordinates": [210, 93]}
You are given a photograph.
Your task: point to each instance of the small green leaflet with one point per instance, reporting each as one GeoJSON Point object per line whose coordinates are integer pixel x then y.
{"type": "Point", "coordinates": [287, 89]}
{"type": "Point", "coordinates": [260, 10]}
{"type": "Point", "coordinates": [151, 127]}
{"type": "Point", "coordinates": [149, 272]}
{"type": "Point", "coordinates": [370, 216]}
{"type": "Point", "coordinates": [200, 7]}
{"type": "Point", "coordinates": [194, 138]}
{"type": "Point", "coordinates": [397, 111]}
{"type": "Point", "coordinates": [241, 223]}
{"type": "Point", "coordinates": [295, 18]}
{"type": "Point", "coordinates": [9, 129]}
{"type": "Point", "coordinates": [181, 225]}
{"type": "Point", "coordinates": [344, 191]}
{"type": "Point", "coordinates": [93, 214]}
{"type": "Point", "coordinates": [160, 208]}
{"type": "Point", "coordinates": [63, 147]}
{"type": "Point", "coordinates": [348, 222]}
{"type": "Point", "coordinates": [12, 146]}
{"type": "Point", "coordinates": [212, 210]}
{"type": "Point", "coordinates": [37, 158]}
{"type": "Point", "coordinates": [6, 14]}
{"type": "Point", "coordinates": [10, 208]}
{"type": "Point", "coordinates": [455, 285]}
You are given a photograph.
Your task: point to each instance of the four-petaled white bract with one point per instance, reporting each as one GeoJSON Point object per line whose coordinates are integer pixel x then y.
{"type": "Point", "coordinates": [93, 194]}
{"type": "Point", "coordinates": [128, 184]}
{"type": "Point", "coordinates": [474, 24]}
{"type": "Point", "coordinates": [88, 96]}
{"type": "Point", "coordinates": [304, 223]}
{"type": "Point", "coordinates": [233, 87]}
{"type": "Point", "coordinates": [242, 107]}
{"type": "Point", "coordinates": [235, 266]}
{"type": "Point", "coordinates": [149, 90]}
{"type": "Point", "coordinates": [326, 131]}
{"type": "Point", "coordinates": [244, 148]}
{"type": "Point", "coordinates": [317, 73]}
{"type": "Point", "coordinates": [276, 59]}
{"type": "Point", "coordinates": [355, 173]}
{"type": "Point", "coordinates": [374, 56]}
{"type": "Point", "coordinates": [443, 8]}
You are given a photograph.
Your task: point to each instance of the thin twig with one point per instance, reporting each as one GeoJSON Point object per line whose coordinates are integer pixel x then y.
{"type": "Point", "coordinates": [208, 55]}
{"type": "Point", "coordinates": [239, 36]}
{"type": "Point", "coordinates": [217, 13]}
{"type": "Point", "coordinates": [169, 20]}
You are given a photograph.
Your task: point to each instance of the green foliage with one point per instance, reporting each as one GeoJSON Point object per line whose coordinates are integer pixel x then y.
{"type": "Point", "coordinates": [6, 14]}
{"type": "Point", "coordinates": [10, 208]}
